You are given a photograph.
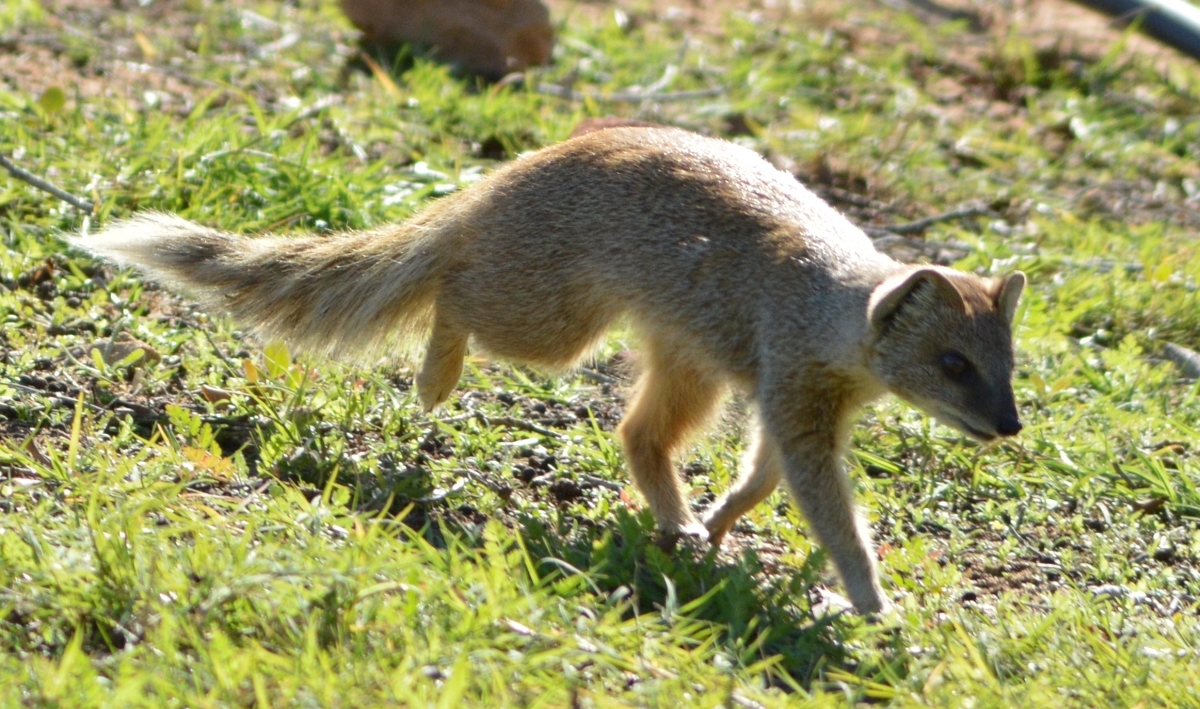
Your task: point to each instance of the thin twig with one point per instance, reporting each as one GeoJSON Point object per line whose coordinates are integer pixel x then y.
{"type": "Point", "coordinates": [453, 419]}
{"type": "Point", "coordinates": [601, 482]}
{"type": "Point", "coordinates": [921, 225]}
{"type": "Point", "coordinates": [481, 479]}
{"type": "Point", "coordinates": [55, 397]}
{"type": "Point", "coordinates": [883, 239]}
{"type": "Point", "coordinates": [837, 194]}
{"type": "Point", "coordinates": [598, 377]}
{"type": "Point", "coordinates": [519, 424]}
{"type": "Point", "coordinates": [494, 421]}
{"type": "Point", "coordinates": [25, 176]}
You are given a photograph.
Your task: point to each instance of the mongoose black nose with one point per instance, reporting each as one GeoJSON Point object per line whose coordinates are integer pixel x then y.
{"type": "Point", "coordinates": [1009, 426]}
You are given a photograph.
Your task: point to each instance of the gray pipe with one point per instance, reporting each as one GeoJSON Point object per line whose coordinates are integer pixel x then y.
{"type": "Point", "coordinates": [1172, 22]}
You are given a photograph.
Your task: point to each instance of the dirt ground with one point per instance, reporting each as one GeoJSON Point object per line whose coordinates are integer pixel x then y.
{"type": "Point", "coordinates": [64, 52]}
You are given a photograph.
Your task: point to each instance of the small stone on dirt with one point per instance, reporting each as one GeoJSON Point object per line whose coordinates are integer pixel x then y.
{"type": "Point", "coordinates": [565, 490]}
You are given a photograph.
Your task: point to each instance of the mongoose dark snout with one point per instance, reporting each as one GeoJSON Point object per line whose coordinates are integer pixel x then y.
{"type": "Point", "coordinates": [1009, 426]}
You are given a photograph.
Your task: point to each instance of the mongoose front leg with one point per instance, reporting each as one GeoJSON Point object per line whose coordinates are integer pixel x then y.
{"type": "Point", "coordinates": [761, 472]}
{"type": "Point", "coordinates": [816, 478]}
{"type": "Point", "coordinates": [672, 398]}
{"type": "Point", "coordinates": [810, 428]}
{"type": "Point", "coordinates": [443, 362]}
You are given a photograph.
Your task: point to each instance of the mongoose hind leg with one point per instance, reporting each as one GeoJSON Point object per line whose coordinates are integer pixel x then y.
{"type": "Point", "coordinates": [673, 397]}
{"type": "Point", "coordinates": [762, 470]}
{"type": "Point", "coordinates": [443, 362]}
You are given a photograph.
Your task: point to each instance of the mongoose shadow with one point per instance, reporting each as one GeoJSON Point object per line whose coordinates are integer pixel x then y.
{"type": "Point", "coordinates": [761, 609]}
{"type": "Point", "coordinates": [756, 604]}
{"type": "Point", "coordinates": [733, 275]}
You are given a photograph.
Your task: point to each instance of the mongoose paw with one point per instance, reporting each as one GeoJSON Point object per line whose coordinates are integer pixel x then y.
{"type": "Point", "coordinates": [715, 537]}
{"type": "Point", "coordinates": [716, 531]}
{"type": "Point", "coordinates": [830, 603]}
{"type": "Point", "coordinates": [431, 397]}
{"type": "Point", "coordinates": [870, 603]}
{"type": "Point", "coordinates": [691, 533]}
{"type": "Point", "coordinates": [694, 530]}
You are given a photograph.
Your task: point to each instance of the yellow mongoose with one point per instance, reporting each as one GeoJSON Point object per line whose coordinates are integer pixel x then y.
{"type": "Point", "coordinates": [731, 272]}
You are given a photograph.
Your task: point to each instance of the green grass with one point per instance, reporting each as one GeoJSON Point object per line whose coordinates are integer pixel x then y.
{"type": "Point", "coordinates": [222, 525]}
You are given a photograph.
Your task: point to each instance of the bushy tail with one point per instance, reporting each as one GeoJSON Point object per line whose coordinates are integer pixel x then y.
{"type": "Point", "coordinates": [348, 295]}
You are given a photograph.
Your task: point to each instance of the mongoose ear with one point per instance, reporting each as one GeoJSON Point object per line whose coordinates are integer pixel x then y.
{"type": "Point", "coordinates": [889, 295]}
{"type": "Point", "coordinates": [1009, 295]}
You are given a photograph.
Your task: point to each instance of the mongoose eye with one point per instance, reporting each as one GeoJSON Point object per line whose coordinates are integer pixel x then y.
{"type": "Point", "coordinates": [954, 364]}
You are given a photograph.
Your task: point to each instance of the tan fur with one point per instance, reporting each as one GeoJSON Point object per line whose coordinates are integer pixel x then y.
{"type": "Point", "coordinates": [732, 272]}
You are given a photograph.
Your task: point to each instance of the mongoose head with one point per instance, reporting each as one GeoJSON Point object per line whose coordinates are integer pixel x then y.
{"type": "Point", "coordinates": [942, 340]}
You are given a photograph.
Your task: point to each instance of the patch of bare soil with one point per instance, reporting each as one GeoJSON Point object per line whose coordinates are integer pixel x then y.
{"type": "Point", "coordinates": [86, 48]}
{"type": "Point", "coordinates": [95, 48]}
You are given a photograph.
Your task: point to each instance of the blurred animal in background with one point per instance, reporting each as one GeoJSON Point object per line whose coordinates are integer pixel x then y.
{"type": "Point", "coordinates": [487, 38]}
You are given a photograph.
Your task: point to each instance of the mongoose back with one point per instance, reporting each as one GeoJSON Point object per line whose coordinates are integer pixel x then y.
{"type": "Point", "coordinates": [732, 273]}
